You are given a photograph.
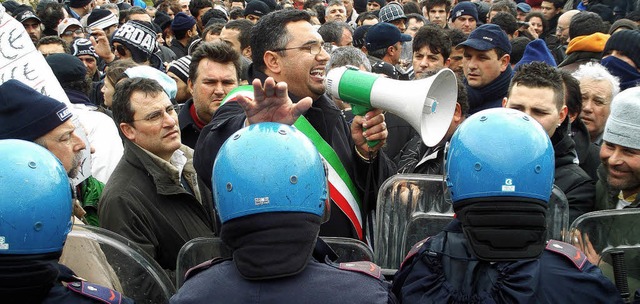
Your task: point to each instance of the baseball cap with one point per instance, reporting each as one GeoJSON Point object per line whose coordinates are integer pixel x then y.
{"type": "Point", "coordinates": [383, 35]}
{"type": "Point", "coordinates": [25, 15]}
{"type": "Point", "coordinates": [523, 7]}
{"type": "Point", "coordinates": [487, 37]}
{"type": "Point", "coordinates": [67, 22]}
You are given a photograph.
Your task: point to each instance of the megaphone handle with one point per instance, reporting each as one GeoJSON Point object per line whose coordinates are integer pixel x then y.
{"type": "Point", "coordinates": [362, 111]}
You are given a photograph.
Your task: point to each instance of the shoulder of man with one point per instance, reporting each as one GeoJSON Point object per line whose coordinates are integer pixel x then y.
{"type": "Point", "coordinates": [98, 293]}
{"type": "Point", "coordinates": [203, 266]}
{"type": "Point", "coordinates": [569, 252]}
{"type": "Point", "coordinates": [364, 267]}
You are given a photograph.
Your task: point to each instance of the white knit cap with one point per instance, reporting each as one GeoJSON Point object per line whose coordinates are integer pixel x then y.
{"type": "Point", "coordinates": [623, 124]}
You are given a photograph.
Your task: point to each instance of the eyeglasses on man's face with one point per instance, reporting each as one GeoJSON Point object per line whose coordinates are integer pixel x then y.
{"type": "Point", "coordinates": [313, 49]}
{"type": "Point", "coordinates": [158, 116]}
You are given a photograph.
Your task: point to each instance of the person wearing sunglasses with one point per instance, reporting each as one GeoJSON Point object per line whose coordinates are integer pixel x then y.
{"type": "Point", "coordinates": [70, 29]}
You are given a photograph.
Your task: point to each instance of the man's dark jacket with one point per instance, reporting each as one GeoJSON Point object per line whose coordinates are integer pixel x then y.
{"type": "Point", "coordinates": [588, 152]}
{"type": "Point", "coordinates": [143, 203]}
{"type": "Point", "coordinates": [569, 177]}
{"type": "Point", "coordinates": [189, 131]}
{"type": "Point", "coordinates": [328, 120]}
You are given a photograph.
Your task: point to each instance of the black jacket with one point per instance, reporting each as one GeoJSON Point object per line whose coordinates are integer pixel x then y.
{"type": "Point", "coordinates": [143, 203]}
{"type": "Point", "coordinates": [328, 120]}
{"type": "Point", "coordinates": [189, 131]}
{"type": "Point", "coordinates": [410, 159]}
{"type": "Point", "coordinates": [444, 269]}
{"type": "Point", "coordinates": [588, 152]}
{"type": "Point", "coordinates": [569, 177]}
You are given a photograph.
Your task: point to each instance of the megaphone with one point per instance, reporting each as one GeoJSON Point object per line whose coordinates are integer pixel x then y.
{"type": "Point", "coordinates": [427, 104]}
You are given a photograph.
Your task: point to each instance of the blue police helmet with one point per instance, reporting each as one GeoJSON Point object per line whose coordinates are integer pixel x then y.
{"type": "Point", "coordinates": [36, 204]}
{"type": "Point", "coordinates": [500, 153]}
{"type": "Point", "coordinates": [268, 167]}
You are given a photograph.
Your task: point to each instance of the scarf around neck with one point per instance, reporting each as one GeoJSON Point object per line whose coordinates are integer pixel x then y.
{"type": "Point", "coordinates": [629, 76]}
{"type": "Point", "coordinates": [491, 95]}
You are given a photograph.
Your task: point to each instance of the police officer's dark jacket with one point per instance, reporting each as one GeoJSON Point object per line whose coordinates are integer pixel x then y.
{"type": "Point", "coordinates": [246, 279]}
{"type": "Point", "coordinates": [40, 279]}
{"type": "Point", "coordinates": [444, 269]}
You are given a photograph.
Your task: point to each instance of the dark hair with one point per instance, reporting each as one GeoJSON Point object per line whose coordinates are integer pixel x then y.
{"type": "Point", "coordinates": [196, 5]}
{"type": "Point", "coordinates": [531, 14]}
{"type": "Point", "coordinates": [429, 4]}
{"type": "Point", "coordinates": [366, 16]}
{"type": "Point", "coordinates": [54, 40]}
{"type": "Point", "coordinates": [379, 53]}
{"type": "Point", "coordinates": [217, 51]}
{"type": "Point", "coordinates": [573, 96]}
{"type": "Point", "coordinates": [122, 110]}
{"type": "Point", "coordinates": [236, 13]}
{"type": "Point", "coordinates": [411, 8]}
{"type": "Point", "coordinates": [332, 31]}
{"type": "Point", "coordinates": [170, 4]}
{"type": "Point", "coordinates": [500, 52]}
{"type": "Point", "coordinates": [585, 23]}
{"type": "Point", "coordinates": [456, 36]}
{"type": "Point", "coordinates": [320, 12]}
{"type": "Point", "coordinates": [504, 6]}
{"type": "Point", "coordinates": [82, 85]}
{"type": "Point", "coordinates": [51, 15]}
{"type": "Point", "coordinates": [180, 34]}
{"type": "Point", "coordinates": [115, 70]}
{"type": "Point", "coordinates": [270, 33]}
{"type": "Point", "coordinates": [540, 75]}
{"type": "Point", "coordinates": [309, 4]}
{"type": "Point", "coordinates": [244, 27]}
{"type": "Point", "coordinates": [215, 28]}
{"type": "Point", "coordinates": [418, 17]}
{"type": "Point", "coordinates": [556, 3]}
{"type": "Point", "coordinates": [462, 97]}
{"type": "Point", "coordinates": [213, 13]}
{"type": "Point", "coordinates": [506, 22]}
{"type": "Point", "coordinates": [435, 37]}
{"type": "Point", "coordinates": [518, 45]}
{"type": "Point", "coordinates": [135, 10]}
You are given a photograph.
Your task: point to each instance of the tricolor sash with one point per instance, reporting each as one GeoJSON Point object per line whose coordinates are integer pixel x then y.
{"type": "Point", "coordinates": [342, 190]}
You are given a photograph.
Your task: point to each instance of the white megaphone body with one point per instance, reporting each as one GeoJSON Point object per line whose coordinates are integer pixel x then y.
{"type": "Point", "coordinates": [427, 104]}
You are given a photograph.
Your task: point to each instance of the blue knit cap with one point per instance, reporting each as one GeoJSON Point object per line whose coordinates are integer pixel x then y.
{"type": "Point", "coordinates": [26, 114]}
{"type": "Point", "coordinates": [535, 51]}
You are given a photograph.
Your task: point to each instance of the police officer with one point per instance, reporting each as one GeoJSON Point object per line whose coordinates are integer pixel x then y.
{"type": "Point", "coordinates": [495, 250]}
{"type": "Point", "coordinates": [271, 192]}
{"type": "Point", "coordinates": [35, 212]}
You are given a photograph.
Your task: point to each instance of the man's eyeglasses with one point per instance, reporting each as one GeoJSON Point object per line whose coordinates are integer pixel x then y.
{"type": "Point", "coordinates": [313, 49]}
{"type": "Point", "coordinates": [77, 32]}
{"type": "Point", "coordinates": [158, 116]}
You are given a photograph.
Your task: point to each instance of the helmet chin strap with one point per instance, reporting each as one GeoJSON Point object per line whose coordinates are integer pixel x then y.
{"type": "Point", "coordinates": [504, 228]}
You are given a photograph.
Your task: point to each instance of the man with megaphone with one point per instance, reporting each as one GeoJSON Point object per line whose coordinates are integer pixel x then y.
{"type": "Point", "coordinates": [288, 72]}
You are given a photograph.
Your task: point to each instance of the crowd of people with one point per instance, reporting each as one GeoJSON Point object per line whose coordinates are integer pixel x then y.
{"type": "Point", "coordinates": [153, 86]}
